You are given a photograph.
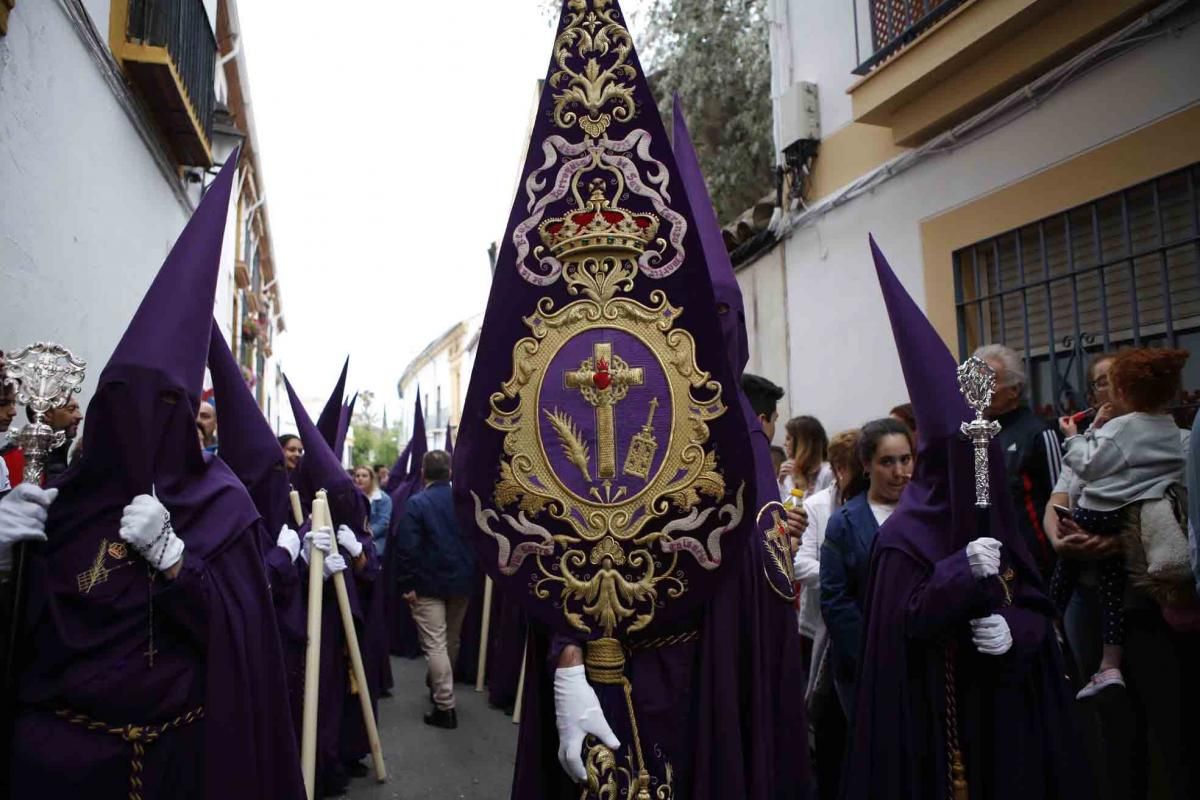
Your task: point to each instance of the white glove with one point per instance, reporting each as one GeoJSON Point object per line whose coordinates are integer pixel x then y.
{"type": "Point", "coordinates": [289, 540]}
{"type": "Point", "coordinates": [578, 713]}
{"type": "Point", "coordinates": [984, 557]}
{"type": "Point", "coordinates": [348, 540]}
{"type": "Point", "coordinates": [991, 635]}
{"type": "Point", "coordinates": [320, 538]}
{"type": "Point", "coordinates": [146, 527]}
{"type": "Point", "coordinates": [23, 518]}
{"type": "Point", "coordinates": [333, 564]}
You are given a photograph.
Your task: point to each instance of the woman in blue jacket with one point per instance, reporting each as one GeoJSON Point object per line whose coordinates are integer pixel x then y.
{"type": "Point", "coordinates": [381, 505]}
{"type": "Point", "coordinates": [886, 451]}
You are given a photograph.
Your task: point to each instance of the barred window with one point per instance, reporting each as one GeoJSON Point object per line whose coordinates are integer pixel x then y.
{"type": "Point", "coordinates": [1123, 270]}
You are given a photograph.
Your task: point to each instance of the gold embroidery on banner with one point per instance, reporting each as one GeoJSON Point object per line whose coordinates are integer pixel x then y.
{"type": "Point", "coordinates": [615, 566]}
{"type": "Point", "coordinates": [608, 780]}
{"type": "Point", "coordinates": [642, 447]}
{"type": "Point", "coordinates": [600, 91]}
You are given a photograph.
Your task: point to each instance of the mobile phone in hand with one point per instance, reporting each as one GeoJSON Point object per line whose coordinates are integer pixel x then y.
{"type": "Point", "coordinates": [1062, 511]}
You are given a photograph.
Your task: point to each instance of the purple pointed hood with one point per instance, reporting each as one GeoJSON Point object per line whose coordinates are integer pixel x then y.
{"type": "Point", "coordinates": [398, 474]}
{"type": "Point", "coordinates": [339, 446]}
{"type": "Point", "coordinates": [726, 292]}
{"type": "Point", "coordinates": [320, 469]}
{"type": "Point", "coordinates": [419, 444]}
{"type": "Point", "coordinates": [937, 515]}
{"type": "Point", "coordinates": [448, 444]}
{"type": "Point", "coordinates": [140, 434]}
{"type": "Point", "coordinates": [929, 369]}
{"type": "Point", "coordinates": [250, 447]}
{"type": "Point", "coordinates": [601, 307]}
{"type": "Point", "coordinates": [330, 418]}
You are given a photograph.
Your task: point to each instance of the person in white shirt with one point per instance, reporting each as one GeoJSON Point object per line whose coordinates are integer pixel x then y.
{"type": "Point", "coordinates": [807, 466]}
{"type": "Point", "coordinates": [848, 482]}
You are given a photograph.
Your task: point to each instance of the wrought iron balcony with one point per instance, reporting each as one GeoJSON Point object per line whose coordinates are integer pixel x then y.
{"type": "Point", "coordinates": [896, 23]}
{"type": "Point", "coordinates": [170, 53]}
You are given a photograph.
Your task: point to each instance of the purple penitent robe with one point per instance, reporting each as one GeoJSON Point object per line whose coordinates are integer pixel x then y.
{"type": "Point", "coordinates": [209, 703]}
{"type": "Point", "coordinates": [923, 681]}
{"type": "Point", "coordinates": [130, 682]}
{"type": "Point", "coordinates": [720, 700]}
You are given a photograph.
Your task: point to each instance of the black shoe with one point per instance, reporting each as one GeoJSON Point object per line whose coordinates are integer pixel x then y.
{"type": "Point", "coordinates": [439, 718]}
{"type": "Point", "coordinates": [333, 785]}
{"type": "Point", "coordinates": [357, 769]}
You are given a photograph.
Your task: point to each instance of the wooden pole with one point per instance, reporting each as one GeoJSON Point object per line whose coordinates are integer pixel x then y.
{"type": "Point", "coordinates": [312, 653]}
{"type": "Point", "coordinates": [483, 632]}
{"type": "Point", "coordinates": [356, 662]}
{"type": "Point", "coordinates": [516, 717]}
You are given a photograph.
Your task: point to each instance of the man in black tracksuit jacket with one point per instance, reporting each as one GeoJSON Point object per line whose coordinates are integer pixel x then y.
{"type": "Point", "coordinates": [1032, 451]}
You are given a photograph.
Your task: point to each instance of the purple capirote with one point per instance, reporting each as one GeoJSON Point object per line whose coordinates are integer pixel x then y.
{"type": "Point", "coordinates": [196, 658]}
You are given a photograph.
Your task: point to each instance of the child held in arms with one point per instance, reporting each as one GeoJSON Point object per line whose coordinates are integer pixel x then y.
{"type": "Point", "coordinates": [1131, 453]}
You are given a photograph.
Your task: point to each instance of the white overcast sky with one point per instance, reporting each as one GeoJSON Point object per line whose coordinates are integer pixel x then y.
{"type": "Point", "coordinates": [390, 136]}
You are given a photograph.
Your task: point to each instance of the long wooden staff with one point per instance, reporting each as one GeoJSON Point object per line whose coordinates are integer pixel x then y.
{"type": "Point", "coordinates": [312, 652]}
{"type": "Point", "coordinates": [483, 632]}
{"type": "Point", "coordinates": [356, 662]}
{"type": "Point", "coordinates": [516, 717]}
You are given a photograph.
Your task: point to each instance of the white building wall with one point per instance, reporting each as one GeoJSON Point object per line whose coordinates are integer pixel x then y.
{"type": "Point", "coordinates": [842, 364]}
{"type": "Point", "coordinates": [813, 41]}
{"type": "Point", "coordinates": [86, 217]}
{"type": "Point", "coordinates": [764, 291]}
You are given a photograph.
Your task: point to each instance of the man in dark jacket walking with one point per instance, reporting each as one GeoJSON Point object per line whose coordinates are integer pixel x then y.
{"type": "Point", "coordinates": [435, 572]}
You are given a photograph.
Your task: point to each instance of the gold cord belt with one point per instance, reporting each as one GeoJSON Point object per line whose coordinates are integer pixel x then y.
{"type": "Point", "coordinates": [137, 735]}
{"type": "Point", "coordinates": [604, 660]}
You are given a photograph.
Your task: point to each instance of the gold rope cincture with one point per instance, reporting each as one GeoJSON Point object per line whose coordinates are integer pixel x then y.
{"type": "Point", "coordinates": [604, 660]}
{"type": "Point", "coordinates": [137, 735]}
{"type": "Point", "coordinates": [957, 788]}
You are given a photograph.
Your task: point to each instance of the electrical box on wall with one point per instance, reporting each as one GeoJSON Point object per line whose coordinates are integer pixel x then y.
{"type": "Point", "coordinates": [799, 114]}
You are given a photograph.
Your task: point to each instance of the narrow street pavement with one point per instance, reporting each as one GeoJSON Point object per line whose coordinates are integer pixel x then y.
{"type": "Point", "coordinates": [474, 762]}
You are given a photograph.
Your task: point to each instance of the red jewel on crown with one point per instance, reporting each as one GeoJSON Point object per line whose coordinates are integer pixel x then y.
{"type": "Point", "coordinates": [599, 227]}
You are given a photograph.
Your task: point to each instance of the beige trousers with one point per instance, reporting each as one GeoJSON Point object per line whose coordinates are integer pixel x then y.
{"type": "Point", "coordinates": [439, 623]}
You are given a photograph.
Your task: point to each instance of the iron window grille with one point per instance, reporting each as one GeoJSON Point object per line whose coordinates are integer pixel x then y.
{"type": "Point", "coordinates": [1123, 270]}
{"type": "Point", "coordinates": [897, 23]}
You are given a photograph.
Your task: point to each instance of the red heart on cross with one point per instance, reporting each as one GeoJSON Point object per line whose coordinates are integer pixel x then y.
{"type": "Point", "coordinates": [602, 380]}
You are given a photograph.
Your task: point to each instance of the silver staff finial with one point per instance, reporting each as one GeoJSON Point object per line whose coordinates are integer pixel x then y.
{"type": "Point", "coordinates": [45, 376]}
{"type": "Point", "coordinates": [977, 382]}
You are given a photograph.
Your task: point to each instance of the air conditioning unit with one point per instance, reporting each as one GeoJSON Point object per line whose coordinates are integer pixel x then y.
{"type": "Point", "coordinates": [799, 115]}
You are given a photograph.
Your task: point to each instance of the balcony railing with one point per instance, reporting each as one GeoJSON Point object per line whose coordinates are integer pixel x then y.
{"type": "Point", "coordinates": [896, 23]}
{"type": "Point", "coordinates": [170, 52]}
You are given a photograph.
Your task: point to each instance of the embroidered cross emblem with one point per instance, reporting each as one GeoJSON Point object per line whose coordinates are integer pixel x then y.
{"type": "Point", "coordinates": [603, 383]}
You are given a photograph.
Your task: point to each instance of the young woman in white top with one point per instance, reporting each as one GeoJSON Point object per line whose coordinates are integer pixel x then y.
{"type": "Point", "coordinates": [849, 481]}
{"type": "Point", "coordinates": [807, 467]}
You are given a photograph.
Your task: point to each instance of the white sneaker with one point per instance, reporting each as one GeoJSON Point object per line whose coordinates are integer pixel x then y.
{"type": "Point", "coordinates": [1101, 681]}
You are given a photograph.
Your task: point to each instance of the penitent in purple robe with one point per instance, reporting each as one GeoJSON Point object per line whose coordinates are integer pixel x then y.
{"type": "Point", "coordinates": [1014, 710]}
{"type": "Point", "coordinates": [253, 453]}
{"type": "Point", "coordinates": [725, 704]}
{"type": "Point", "coordinates": [130, 680]}
{"type": "Point", "coordinates": [403, 483]}
{"type": "Point", "coordinates": [341, 734]}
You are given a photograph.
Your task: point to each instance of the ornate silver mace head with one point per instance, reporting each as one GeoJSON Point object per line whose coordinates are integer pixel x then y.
{"type": "Point", "coordinates": [977, 382]}
{"type": "Point", "coordinates": [45, 375]}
